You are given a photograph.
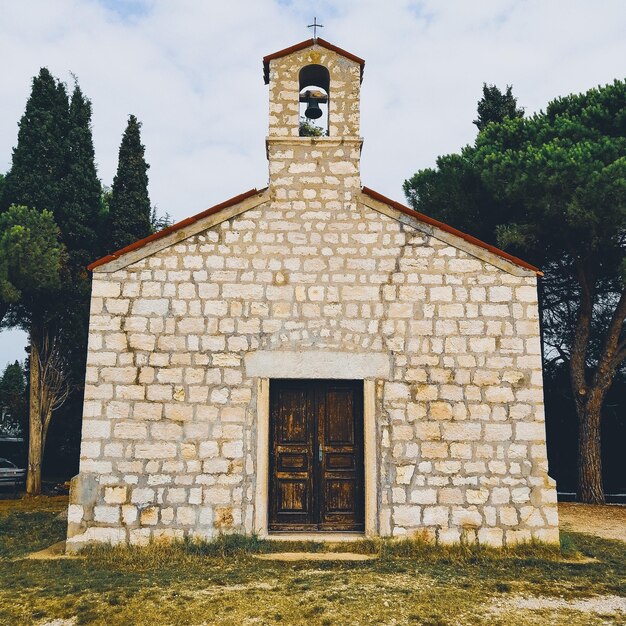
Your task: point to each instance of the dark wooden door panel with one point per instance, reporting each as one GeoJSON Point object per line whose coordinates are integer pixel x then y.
{"type": "Point", "coordinates": [341, 472]}
{"type": "Point", "coordinates": [291, 454]}
{"type": "Point", "coordinates": [289, 462]}
{"type": "Point", "coordinates": [339, 417]}
{"type": "Point", "coordinates": [340, 496]}
{"type": "Point", "coordinates": [293, 425]}
{"type": "Point", "coordinates": [316, 455]}
{"type": "Point", "coordinates": [293, 496]}
{"type": "Point", "coordinates": [340, 461]}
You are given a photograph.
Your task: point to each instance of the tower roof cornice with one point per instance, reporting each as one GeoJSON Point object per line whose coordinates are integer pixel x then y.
{"type": "Point", "coordinates": [306, 44]}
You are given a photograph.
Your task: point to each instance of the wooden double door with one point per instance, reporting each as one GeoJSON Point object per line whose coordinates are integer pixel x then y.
{"type": "Point", "coordinates": [316, 455]}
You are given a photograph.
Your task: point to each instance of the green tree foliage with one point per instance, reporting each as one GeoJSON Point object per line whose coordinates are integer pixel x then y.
{"type": "Point", "coordinates": [39, 161]}
{"type": "Point", "coordinates": [309, 128]}
{"type": "Point", "coordinates": [556, 187]}
{"type": "Point", "coordinates": [496, 106]}
{"type": "Point", "coordinates": [159, 222]}
{"type": "Point", "coordinates": [565, 172]}
{"type": "Point", "coordinates": [455, 193]}
{"type": "Point", "coordinates": [53, 170]}
{"type": "Point", "coordinates": [13, 405]}
{"type": "Point", "coordinates": [79, 220]}
{"type": "Point", "coordinates": [30, 257]}
{"type": "Point", "coordinates": [81, 188]}
{"type": "Point", "coordinates": [129, 203]}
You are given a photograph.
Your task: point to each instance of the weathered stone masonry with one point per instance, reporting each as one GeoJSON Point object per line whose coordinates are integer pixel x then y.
{"type": "Point", "coordinates": [313, 265]}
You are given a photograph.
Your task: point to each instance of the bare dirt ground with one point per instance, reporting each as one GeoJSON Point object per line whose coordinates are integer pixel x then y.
{"type": "Point", "coordinates": [607, 521]}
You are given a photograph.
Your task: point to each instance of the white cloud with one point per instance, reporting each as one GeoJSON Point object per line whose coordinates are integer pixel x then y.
{"type": "Point", "coordinates": [191, 71]}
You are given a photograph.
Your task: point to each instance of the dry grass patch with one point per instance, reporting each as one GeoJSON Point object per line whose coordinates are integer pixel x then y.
{"type": "Point", "coordinates": [30, 524]}
{"type": "Point", "coordinates": [221, 582]}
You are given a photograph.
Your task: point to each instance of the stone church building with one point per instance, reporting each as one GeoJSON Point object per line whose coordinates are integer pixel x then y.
{"type": "Point", "coordinates": [313, 360]}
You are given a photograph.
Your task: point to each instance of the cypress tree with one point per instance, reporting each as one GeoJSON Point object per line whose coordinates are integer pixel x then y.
{"type": "Point", "coordinates": [40, 158]}
{"type": "Point", "coordinates": [80, 202]}
{"type": "Point", "coordinates": [80, 221]}
{"type": "Point", "coordinates": [78, 218]}
{"type": "Point", "coordinates": [129, 205]}
{"type": "Point", "coordinates": [496, 106]}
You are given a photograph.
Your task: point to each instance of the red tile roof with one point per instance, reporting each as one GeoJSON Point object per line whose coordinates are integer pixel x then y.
{"type": "Point", "coordinates": [449, 229]}
{"type": "Point", "coordinates": [301, 46]}
{"type": "Point", "coordinates": [174, 227]}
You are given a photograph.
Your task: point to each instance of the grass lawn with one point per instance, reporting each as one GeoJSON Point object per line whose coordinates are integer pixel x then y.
{"type": "Point", "coordinates": [222, 582]}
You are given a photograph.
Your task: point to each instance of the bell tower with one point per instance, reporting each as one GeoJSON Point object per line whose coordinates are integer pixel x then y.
{"type": "Point", "coordinates": [313, 143]}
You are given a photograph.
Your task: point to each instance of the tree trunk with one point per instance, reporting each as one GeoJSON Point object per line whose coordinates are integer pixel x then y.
{"type": "Point", "coordinates": [49, 388]}
{"type": "Point", "coordinates": [590, 489]}
{"type": "Point", "coordinates": [590, 398]}
{"type": "Point", "coordinates": [35, 439]}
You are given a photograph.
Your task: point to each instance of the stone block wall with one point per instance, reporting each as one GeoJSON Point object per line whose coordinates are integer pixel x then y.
{"type": "Point", "coordinates": [169, 425]}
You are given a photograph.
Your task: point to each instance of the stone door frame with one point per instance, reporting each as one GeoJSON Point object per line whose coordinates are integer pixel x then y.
{"type": "Point", "coordinates": [262, 467]}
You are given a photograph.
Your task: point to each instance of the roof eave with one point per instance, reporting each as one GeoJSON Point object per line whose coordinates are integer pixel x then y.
{"type": "Point", "coordinates": [450, 229]}
{"type": "Point", "coordinates": [173, 228]}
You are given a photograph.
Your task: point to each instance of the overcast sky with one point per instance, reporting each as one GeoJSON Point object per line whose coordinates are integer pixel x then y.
{"type": "Point", "coordinates": [191, 71]}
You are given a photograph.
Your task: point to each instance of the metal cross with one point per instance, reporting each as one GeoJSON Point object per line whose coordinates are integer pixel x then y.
{"type": "Point", "coordinates": [315, 26]}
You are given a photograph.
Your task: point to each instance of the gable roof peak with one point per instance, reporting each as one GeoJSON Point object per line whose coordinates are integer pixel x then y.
{"type": "Point", "coordinates": [307, 44]}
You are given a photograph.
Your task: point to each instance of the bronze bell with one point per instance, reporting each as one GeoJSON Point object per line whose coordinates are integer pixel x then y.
{"type": "Point", "coordinates": [313, 111]}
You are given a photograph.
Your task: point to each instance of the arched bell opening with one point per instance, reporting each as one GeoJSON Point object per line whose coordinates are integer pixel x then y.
{"type": "Point", "coordinates": [314, 92]}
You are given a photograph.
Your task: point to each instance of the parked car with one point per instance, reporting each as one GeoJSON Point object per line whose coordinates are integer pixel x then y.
{"type": "Point", "coordinates": [62, 489]}
{"type": "Point", "coordinates": [11, 475]}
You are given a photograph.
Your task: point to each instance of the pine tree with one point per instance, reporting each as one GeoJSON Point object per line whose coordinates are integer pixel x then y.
{"type": "Point", "coordinates": [550, 188]}
{"type": "Point", "coordinates": [496, 106]}
{"type": "Point", "coordinates": [129, 205]}
{"type": "Point", "coordinates": [562, 173]}
{"type": "Point", "coordinates": [30, 260]}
